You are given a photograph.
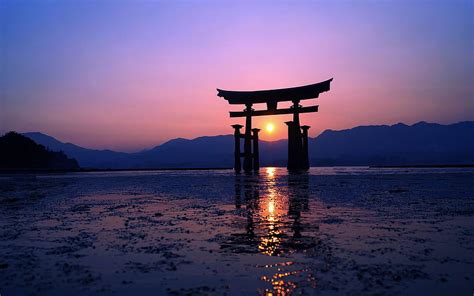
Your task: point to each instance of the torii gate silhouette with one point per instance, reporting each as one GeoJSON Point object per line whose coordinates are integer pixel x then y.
{"type": "Point", "coordinates": [297, 134]}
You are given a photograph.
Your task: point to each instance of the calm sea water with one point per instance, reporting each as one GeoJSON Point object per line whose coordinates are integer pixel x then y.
{"type": "Point", "coordinates": [332, 231]}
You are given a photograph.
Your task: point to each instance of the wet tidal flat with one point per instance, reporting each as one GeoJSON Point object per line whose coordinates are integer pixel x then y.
{"type": "Point", "coordinates": [331, 231]}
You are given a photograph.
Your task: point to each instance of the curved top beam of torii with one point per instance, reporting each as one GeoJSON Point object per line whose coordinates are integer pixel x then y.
{"type": "Point", "coordinates": [275, 95]}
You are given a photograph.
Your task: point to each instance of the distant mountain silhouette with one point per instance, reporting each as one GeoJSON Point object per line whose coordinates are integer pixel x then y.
{"type": "Point", "coordinates": [399, 144]}
{"type": "Point", "coordinates": [216, 151]}
{"type": "Point", "coordinates": [419, 144]}
{"type": "Point", "coordinates": [20, 152]}
{"type": "Point", "coordinates": [89, 158]}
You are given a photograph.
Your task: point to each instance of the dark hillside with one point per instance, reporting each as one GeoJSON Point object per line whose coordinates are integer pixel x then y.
{"type": "Point", "coordinates": [20, 152]}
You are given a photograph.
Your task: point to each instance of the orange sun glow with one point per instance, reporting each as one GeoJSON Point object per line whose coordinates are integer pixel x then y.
{"type": "Point", "coordinates": [270, 127]}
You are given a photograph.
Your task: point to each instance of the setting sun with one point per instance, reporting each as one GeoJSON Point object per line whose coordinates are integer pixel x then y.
{"type": "Point", "coordinates": [270, 127]}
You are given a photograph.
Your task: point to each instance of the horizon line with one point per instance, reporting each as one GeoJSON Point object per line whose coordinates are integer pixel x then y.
{"type": "Point", "coordinates": [223, 135]}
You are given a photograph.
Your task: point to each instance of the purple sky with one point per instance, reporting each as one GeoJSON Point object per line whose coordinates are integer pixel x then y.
{"type": "Point", "coordinates": [127, 75]}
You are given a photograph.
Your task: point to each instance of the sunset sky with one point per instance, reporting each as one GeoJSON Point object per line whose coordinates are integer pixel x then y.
{"type": "Point", "coordinates": [128, 75]}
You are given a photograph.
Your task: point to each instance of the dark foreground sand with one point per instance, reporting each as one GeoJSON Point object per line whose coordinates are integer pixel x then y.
{"type": "Point", "coordinates": [335, 231]}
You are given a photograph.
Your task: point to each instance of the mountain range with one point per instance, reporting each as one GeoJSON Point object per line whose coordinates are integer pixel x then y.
{"type": "Point", "coordinates": [400, 144]}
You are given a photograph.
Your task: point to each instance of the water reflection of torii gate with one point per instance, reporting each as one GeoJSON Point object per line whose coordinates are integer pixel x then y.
{"type": "Point", "coordinates": [297, 134]}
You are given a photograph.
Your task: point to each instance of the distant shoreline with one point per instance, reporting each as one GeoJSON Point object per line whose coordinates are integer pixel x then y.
{"type": "Point", "coordinates": [92, 170]}
{"type": "Point", "coordinates": [108, 170]}
{"type": "Point", "coordinates": [424, 166]}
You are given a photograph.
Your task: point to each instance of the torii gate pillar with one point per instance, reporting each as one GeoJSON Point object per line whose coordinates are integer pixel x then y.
{"type": "Point", "coordinates": [237, 154]}
{"type": "Point", "coordinates": [305, 164]}
{"type": "Point", "coordinates": [255, 154]}
{"type": "Point", "coordinates": [248, 139]}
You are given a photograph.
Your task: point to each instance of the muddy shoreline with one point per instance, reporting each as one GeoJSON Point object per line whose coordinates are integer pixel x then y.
{"type": "Point", "coordinates": [214, 233]}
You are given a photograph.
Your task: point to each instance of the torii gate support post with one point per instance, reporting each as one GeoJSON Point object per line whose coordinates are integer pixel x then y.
{"type": "Point", "coordinates": [256, 158]}
{"type": "Point", "coordinates": [237, 154]}
{"type": "Point", "coordinates": [248, 139]}
{"type": "Point", "coordinates": [291, 146]}
{"type": "Point", "coordinates": [297, 141]}
{"type": "Point", "coordinates": [305, 129]}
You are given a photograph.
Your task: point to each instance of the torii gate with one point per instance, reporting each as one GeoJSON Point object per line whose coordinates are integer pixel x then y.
{"type": "Point", "coordinates": [297, 134]}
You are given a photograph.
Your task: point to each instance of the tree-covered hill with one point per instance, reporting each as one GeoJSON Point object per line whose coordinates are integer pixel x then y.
{"type": "Point", "coordinates": [20, 152]}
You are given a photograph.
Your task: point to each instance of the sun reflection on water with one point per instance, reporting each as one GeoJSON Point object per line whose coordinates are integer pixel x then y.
{"type": "Point", "coordinates": [270, 241]}
{"type": "Point", "coordinates": [271, 207]}
{"type": "Point", "coordinates": [285, 282]}
{"type": "Point", "coordinates": [270, 214]}
{"type": "Point", "coordinates": [274, 212]}
{"type": "Point", "coordinates": [270, 172]}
